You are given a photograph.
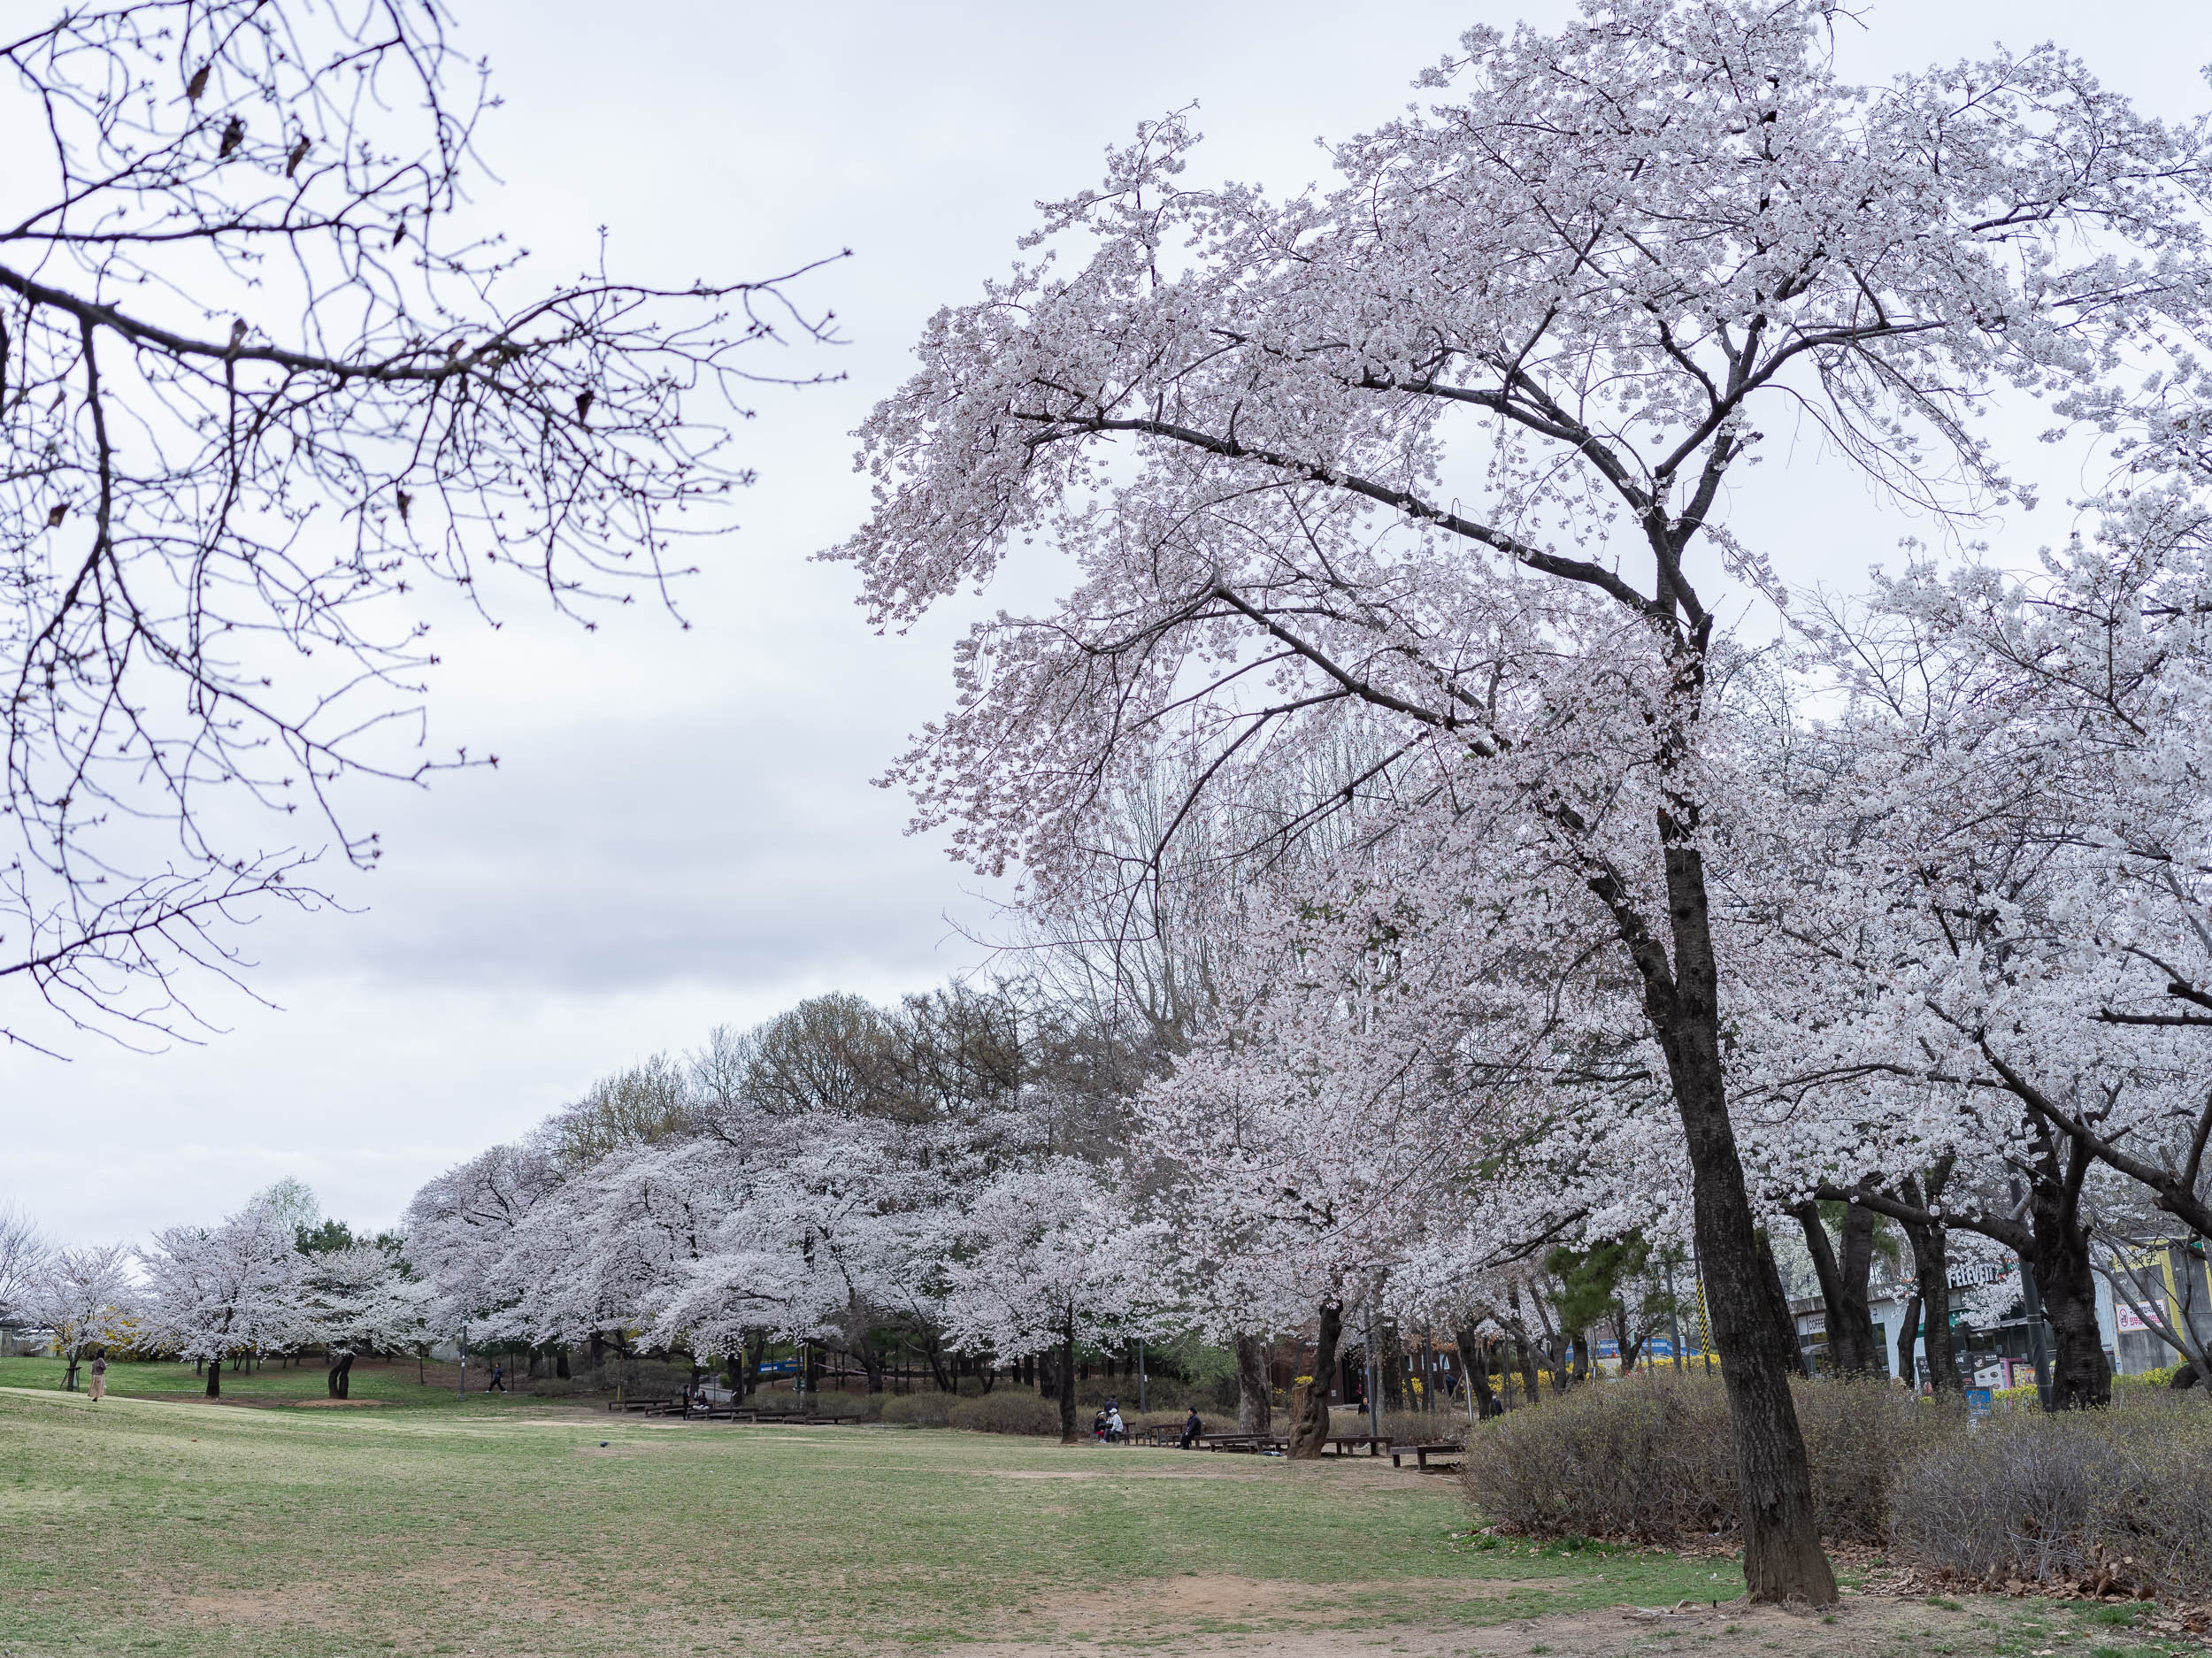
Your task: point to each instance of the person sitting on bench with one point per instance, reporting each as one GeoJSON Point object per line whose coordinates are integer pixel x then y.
{"type": "Point", "coordinates": [1192, 1428]}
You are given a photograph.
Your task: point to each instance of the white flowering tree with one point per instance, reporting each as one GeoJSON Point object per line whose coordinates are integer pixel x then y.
{"type": "Point", "coordinates": [358, 1300]}
{"type": "Point", "coordinates": [1445, 449]}
{"type": "Point", "coordinates": [85, 1296]}
{"type": "Point", "coordinates": [1048, 1258]}
{"type": "Point", "coordinates": [231, 1289]}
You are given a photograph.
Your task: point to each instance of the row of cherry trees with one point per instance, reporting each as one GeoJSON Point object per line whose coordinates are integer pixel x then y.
{"type": "Point", "coordinates": [939, 1178]}
{"type": "Point", "coordinates": [257, 1285]}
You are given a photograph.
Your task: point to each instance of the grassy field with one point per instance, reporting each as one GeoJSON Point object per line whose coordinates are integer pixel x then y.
{"type": "Point", "coordinates": [388, 1386]}
{"type": "Point", "coordinates": [492, 1527]}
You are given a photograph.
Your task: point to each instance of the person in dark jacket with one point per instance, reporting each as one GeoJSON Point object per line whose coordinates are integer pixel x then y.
{"type": "Point", "coordinates": [1192, 1428]}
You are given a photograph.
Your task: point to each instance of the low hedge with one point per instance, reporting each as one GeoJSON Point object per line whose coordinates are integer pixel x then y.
{"type": "Point", "coordinates": [1650, 1458]}
{"type": "Point", "coordinates": [2109, 1500]}
{"type": "Point", "coordinates": [1003, 1410]}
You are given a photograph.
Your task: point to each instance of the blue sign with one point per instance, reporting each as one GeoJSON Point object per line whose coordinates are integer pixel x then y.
{"type": "Point", "coordinates": [1978, 1402]}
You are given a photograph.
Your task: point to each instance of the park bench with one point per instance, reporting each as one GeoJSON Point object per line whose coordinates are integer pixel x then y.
{"type": "Point", "coordinates": [649, 1407]}
{"type": "Point", "coordinates": [1443, 1451]}
{"type": "Point", "coordinates": [1348, 1444]}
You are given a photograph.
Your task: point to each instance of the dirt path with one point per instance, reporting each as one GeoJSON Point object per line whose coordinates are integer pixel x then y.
{"type": "Point", "coordinates": [1237, 1617]}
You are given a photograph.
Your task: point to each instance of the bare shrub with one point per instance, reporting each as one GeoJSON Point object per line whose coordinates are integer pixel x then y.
{"type": "Point", "coordinates": [1000, 1411]}
{"type": "Point", "coordinates": [919, 1410]}
{"type": "Point", "coordinates": [2105, 1501]}
{"type": "Point", "coordinates": [1650, 1458]}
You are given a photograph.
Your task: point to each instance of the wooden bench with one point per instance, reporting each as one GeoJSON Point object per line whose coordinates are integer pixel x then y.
{"type": "Point", "coordinates": [1443, 1451]}
{"type": "Point", "coordinates": [1348, 1444]}
{"type": "Point", "coordinates": [649, 1406]}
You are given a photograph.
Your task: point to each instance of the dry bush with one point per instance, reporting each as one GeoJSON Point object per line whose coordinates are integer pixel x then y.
{"type": "Point", "coordinates": [1000, 1411]}
{"type": "Point", "coordinates": [2105, 1501]}
{"type": "Point", "coordinates": [919, 1410]}
{"type": "Point", "coordinates": [1650, 1458]}
{"type": "Point", "coordinates": [1424, 1427]}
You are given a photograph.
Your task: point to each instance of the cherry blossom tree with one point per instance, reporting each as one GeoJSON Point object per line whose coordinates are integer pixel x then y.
{"type": "Point", "coordinates": [23, 1251]}
{"type": "Point", "coordinates": [85, 1296]}
{"type": "Point", "coordinates": [357, 1300]}
{"type": "Point", "coordinates": [1449, 444]}
{"type": "Point", "coordinates": [1047, 1257]}
{"type": "Point", "coordinates": [232, 1289]}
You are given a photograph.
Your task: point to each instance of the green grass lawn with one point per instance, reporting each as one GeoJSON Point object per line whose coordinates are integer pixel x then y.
{"type": "Point", "coordinates": [390, 1386]}
{"type": "Point", "coordinates": [145, 1525]}
{"type": "Point", "coordinates": [429, 1524]}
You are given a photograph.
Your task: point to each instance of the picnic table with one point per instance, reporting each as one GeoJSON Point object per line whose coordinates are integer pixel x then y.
{"type": "Point", "coordinates": [1256, 1444]}
{"type": "Point", "coordinates": [1442, 1450]}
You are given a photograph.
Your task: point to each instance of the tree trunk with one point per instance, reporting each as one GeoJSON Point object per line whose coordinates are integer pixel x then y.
{"type": "Point", "coordinates": [1858, 1269]}
{"type": "Point", "coordinates": [871, 1365]}
{"type": "Point", "coordinates": [948, 1381]}
{"type": "Point", "coordinates": [215, 1378]}
{"type": "Point", "coordinates": [1389, 1371]}
{"type": "Point", "coordinates": [1066, 1367]}
{"type": "Point", "coordinates": [69, 1376]}
{"type": "Point", "coordinates": [2067, 1285]}
{"type": "Point", "coordinates": [1931, 1271]}
{"type": "Point", "coordinates": [1782, 1553]}
{"type": "Point", "coordinates": [1906, 1337]}
{"type": "Point", "coordinates": [1778, 1298]}
{"type": "Point", "coordinates": [1255, 1406]}
{"type": "Point", "coordinates": [1853, 1347]}
{"type": "Point", "coordinates": [1309, 1406]}
{"type": "Point", "coordinates": [339, 1379]}
{"type": "Point", "coordinates": [560, 1360]}
{"type": "Point", "coordinates": [756, 1344]}
{"type": "Point", "coordinates": [1474, 1369]}
{"type": "Point", "coordinates": [1531, 1379]}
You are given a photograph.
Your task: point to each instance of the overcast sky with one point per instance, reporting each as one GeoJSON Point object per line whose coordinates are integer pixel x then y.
{"type": "Point", "coordinates": [682, 831]}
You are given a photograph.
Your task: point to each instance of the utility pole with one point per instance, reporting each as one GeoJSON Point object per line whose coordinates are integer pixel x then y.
{"type": "Point", "coordinates": [463, 1394]}
{"type": "Point", "coordinates": [1674, 1324]}
{"type": "Point", "coordinates": [1374, 1368]}
{"type": "Point", "coordinates": [1140, 1375]}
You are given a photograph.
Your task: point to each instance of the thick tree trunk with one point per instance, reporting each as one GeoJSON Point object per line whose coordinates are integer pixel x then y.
{"type": "Point", "coordinates": [756, 1345]}
{"type": "Point", "coordinates": [871, 1365]}
{"type": "Point", "coordinates": [1854, 1350]}
{"type": "Point", "coordinates": [1779, 1299]}
{"type": "Point", "coordinates": [1783, 1559]}
{"type": "Point", "coordinates": [1066, 1367]}
{"type": "Point", "coordinates": [1906, 1337]}
{"type": "Point", "coordinates": [215, 1378]}
{"type": "Point", "coordinates": [1531, 1379]}
{"type": "Point", "coordinates": [2080, 1377]}
{"type": "Point", "coordinates": [69, 1376]}
{"type": "Point", "coordinates": [1255, 1406]}
{"type": "Point", "coordinates": [1309, 1406]}
{"type": "Point", "coordinates": [339, 1378]}
{"type": "Point", "coordinates": [560, 1360]}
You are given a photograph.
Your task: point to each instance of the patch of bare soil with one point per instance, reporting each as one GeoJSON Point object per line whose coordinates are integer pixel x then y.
{"type": "Point", "coordinates": [336, 1599]}
{"type": "Point", "coordinates": [1239, 1617]}
{"type": "Point", "coordinates": [335, 1404]}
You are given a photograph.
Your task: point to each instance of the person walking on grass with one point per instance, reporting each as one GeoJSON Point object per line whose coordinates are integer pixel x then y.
{"type": "Point", "coordinates": [499, 1380]}
{"type": "Point", "coordinates": [99, 1378]}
